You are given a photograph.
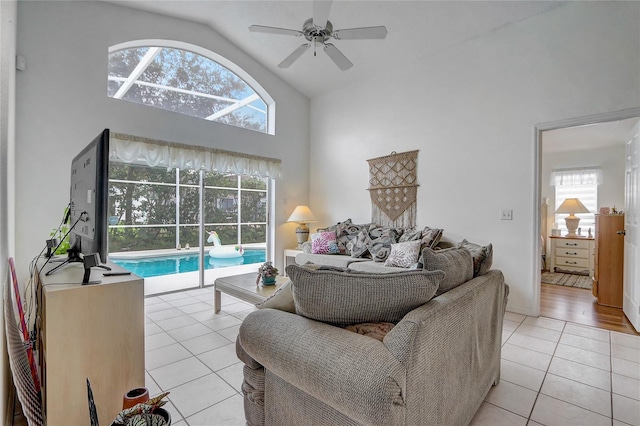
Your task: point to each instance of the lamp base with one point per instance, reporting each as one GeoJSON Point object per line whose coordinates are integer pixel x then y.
{"type": "Point", "coordinates": [302, 234]}
{"type": "Point", "coordinates": [572, 224]}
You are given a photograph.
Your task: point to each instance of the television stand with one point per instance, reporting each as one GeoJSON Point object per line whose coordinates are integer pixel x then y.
{"type": "Point", "coordinates": [74, 257]}
{"type": "Point", "coordinates": [92, 261]}
{"type": "Point", "coordinates": [88, 331]}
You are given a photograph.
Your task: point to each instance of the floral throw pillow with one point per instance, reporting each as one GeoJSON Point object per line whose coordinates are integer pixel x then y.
{"type": "Point", "coordinates": [324, 243]}
{"type": "Point", "coordinates": [404, 255]}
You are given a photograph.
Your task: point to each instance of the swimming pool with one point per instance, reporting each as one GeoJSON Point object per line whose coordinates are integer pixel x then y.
{"type": "Point", "coordinates": [176, 264]}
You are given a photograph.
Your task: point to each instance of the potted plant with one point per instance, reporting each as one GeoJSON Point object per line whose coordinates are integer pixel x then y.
{"type": "Point", "coordinates": [147, 413]}
{"type": "Point", "coordinates": [267, 272]}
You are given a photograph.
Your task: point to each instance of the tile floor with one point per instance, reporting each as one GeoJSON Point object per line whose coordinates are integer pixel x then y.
{"type": "Point", "coordinates": [553, 372]}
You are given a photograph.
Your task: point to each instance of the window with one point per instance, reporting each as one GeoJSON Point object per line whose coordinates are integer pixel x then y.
{"type": "Point", "coordinates": [189, 80]}
{"type": "Point", "coordinates": [155, 208]}
{"type": "Point", "coordinates": [581, 183]}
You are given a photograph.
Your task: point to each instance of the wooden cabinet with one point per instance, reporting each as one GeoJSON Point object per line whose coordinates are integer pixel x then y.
{"type": "Point", "coordinates": [609, 260]}
{"type": "Point", "coordinates": [571, 254]}
{"type": "Point", "coordinates": [93, 332]}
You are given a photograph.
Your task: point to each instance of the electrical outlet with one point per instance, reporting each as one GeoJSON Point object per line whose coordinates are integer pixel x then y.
{"type": "Point", "coordinates": [506, 214]}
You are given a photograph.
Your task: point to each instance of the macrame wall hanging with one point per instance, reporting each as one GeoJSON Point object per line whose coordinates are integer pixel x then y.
{"type": "Point", "coordinates": [393, 186]}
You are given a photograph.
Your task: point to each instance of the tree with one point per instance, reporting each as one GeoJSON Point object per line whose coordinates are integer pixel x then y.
{"type": "Point", "coordinates": [144, 199]}
{"type": "Point", "coordinates": [133, 203]}
{"type": "Point", "coordinates": [191, 72]}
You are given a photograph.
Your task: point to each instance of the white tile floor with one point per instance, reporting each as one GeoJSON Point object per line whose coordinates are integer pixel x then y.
{"type": "Point", "coordinates": [553, 372]}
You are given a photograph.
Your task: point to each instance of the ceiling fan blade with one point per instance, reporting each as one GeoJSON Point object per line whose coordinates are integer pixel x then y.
{"type": "Point", "coordinates": [364, 33]}
{"type": "Point", "coordinates": [294, 56]}
{"type": "Point", "coordinates": [321, 10]}
{"type": "Point", "coordinates": [274, 30]}
{"type": "Point", "coordinates": [336, 56]}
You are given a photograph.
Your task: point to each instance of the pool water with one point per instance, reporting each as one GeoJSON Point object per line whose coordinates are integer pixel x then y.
{"type": "Point", "coordinates": [176, 264]}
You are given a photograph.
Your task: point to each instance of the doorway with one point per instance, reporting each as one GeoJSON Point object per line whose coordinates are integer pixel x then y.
{"type": "Point", "coordinates": [584, 142]}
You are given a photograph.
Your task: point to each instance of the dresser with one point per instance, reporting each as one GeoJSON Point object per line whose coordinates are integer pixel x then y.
{"type": "Point", "coordinates": [609, 260]}
{"type": "Point", "coordinates": [571, 254]}
{"type": "Point", "coordinates": [88, 331]}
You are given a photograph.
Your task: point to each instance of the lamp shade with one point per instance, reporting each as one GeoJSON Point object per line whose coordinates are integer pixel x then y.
{"type": "Point", "coordinates": [302, 214]}
{"type": "Point", "coordinates": [572, 206]}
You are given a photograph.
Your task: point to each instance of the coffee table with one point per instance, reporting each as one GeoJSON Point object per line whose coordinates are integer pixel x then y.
{"type": "Point", "coordinates": [244, 288]}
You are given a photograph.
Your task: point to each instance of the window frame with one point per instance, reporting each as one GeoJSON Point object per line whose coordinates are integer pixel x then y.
{"type": "Point", "coordinates": [237, 70]}
{"type": "Point", "coordinates": [201, 187]}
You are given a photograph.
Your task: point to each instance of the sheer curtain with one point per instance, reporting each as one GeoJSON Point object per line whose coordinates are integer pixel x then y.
{"type": "Point", "coordinates": [155, 153]}
{"type": "Point", "coordinates": [577, 176]}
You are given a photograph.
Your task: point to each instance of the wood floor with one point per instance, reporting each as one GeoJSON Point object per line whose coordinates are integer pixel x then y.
{"type": "Point", "coordinates": [578, 305]}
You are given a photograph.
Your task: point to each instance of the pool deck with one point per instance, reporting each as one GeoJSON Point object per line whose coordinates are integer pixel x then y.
{"type": "Point", "coordinates": [145, 254]}
{"type": "Point", "coordinates": [185, 280]}
{"type": "Point", "coordinates": [189, 280]}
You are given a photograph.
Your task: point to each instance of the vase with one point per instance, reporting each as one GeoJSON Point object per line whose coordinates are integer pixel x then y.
{"type": "Point", "coordinates": [165, 415]}
{"type": "Point", "coordinates": [268, 280]}
{"type": "Point", "coordinates": [135, 396]}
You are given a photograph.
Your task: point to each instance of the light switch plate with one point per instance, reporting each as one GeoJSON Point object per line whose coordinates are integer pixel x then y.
{"type": "Point", "coordinates": [506, 214]}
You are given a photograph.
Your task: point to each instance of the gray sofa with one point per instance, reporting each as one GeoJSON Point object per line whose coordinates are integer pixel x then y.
{"type": "Point", "coordinates": [361, 264]}
{"type": "Point", "coordinates": [435, 367]}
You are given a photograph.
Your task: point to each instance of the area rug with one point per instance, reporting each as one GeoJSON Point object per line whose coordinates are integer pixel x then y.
{"type": "Point", "coordinates": [567, 280]}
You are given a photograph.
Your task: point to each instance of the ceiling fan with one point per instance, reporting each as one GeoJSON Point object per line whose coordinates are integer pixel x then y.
{"type": "Point", "coordinates": [317, 31]}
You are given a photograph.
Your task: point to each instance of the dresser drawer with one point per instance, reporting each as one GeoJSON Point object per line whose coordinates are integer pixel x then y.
{"type": "Point", "coordinates": [572, 252]}
{"type": "Point", "coordinates": [571, 243]}
{"type": "Point", "coordinates": [573, 262]}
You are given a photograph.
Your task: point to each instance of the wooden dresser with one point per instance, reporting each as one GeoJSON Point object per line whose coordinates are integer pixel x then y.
{"type": "Point", "coordinates": [609, 260]}
{"type": "Point", "coordinates": [572, 254]}
{"type": "Point", "coordinates": [88, 331]}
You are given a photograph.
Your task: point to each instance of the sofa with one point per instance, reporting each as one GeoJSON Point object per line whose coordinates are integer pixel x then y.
{"type": "Point", "coordinates": [381, 249]}
{"type": "Point", "coordinates": [305, 365]}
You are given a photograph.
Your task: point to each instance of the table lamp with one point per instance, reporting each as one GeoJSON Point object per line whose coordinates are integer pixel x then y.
{"type": "Point", "coordinates": [572, 206]}
{"type": "Point", "coordinates": [302, 215]}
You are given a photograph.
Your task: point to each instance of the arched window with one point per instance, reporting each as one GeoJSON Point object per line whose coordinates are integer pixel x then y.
{"type": "Point", "coordinates": [190, 80]}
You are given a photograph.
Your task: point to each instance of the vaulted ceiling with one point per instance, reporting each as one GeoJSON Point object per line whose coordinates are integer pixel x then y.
{"type": "Point", "coordinates": [415, 29]}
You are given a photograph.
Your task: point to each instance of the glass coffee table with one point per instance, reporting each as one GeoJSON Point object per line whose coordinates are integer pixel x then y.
{"type": "Point", "coordinates": [244, 288]}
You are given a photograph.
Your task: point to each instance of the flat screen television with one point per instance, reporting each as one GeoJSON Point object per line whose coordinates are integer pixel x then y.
{"type": "Point", "coordinates": [88, 202]}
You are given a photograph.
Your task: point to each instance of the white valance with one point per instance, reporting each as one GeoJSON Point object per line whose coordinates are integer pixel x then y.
{"type": "Point", "coordinates": [576, 176]}
{"type": "Point", "coordinates": [156, 153]}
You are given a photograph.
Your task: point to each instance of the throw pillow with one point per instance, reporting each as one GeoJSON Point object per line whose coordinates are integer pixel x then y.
{"type": "Point", "coordinates": [306, 247]}
{"type": "Point", "coordinates": [338, 229]}
{"type": "Point", "coordinates": [344, 297]}
{"type": "Point", "coordinates": [324, 243]}
{"type": "Point", "coordinates": [404, 255]}
{"type": "Point", "coordinates": [482, 257]}
{"type": "Point", "coordinates": [359, 246]}
{"type": "Point", "coordinates": [282, 299]}
{"type": "Point", "coordinates": [410, 235]}
{"type": "Point", "coordinates": [456, 263]}
{"type": "Point", "coordinates": [431, 237]}
{"type": "Point", "coordinates": [380, 245]}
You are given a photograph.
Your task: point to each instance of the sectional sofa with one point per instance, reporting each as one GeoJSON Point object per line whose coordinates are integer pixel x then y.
{"type": "Point", "coordinates": [416, 345]}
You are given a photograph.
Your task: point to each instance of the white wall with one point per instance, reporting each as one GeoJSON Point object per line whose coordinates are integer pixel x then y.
{"type": "Point", "coordinates": [471, 111]}
{"type": "Point", "coordinates": [8, 17]}
{"type": "Point", "coordinates": [611, 160]}
{"type": "Point", "coordinates": [62, 105]}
